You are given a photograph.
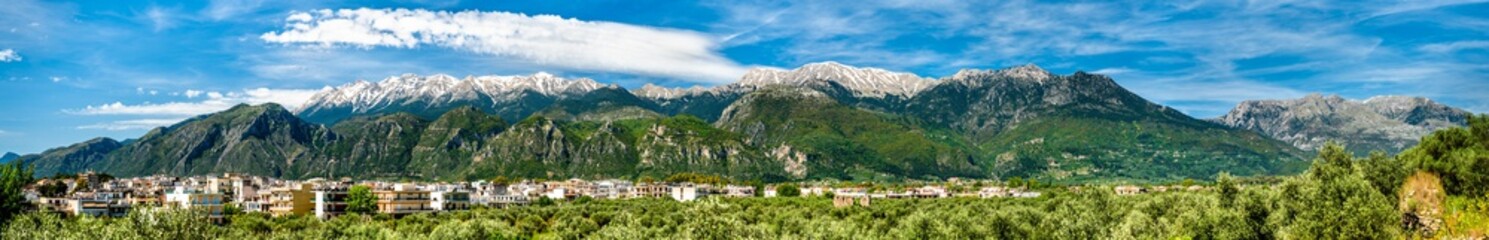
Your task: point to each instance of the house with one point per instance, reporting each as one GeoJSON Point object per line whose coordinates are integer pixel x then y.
{"type": "Point", "coordinates": [739, 191]}
{"type": "Point", "coordinates": [330, 200]}
{"type": "Point", "coordinates": [402, 199]}
{"type": "Point", "coordinates": [297, 199]}
{"type": "Point", "coordinates": [558, 193]}
{"type": "Point", "coordinates": [930, 192]}
{"type": "Point", "coordinates": [850, 199]}
{"type": "Point", "coordinates": [96, 207]}
{"type": "Point", "coordinates": [192, 198]}
{"type": "Point", "coordinates": [815, 191]}
{"type": "Point", "coordinates": [688, 192]}
{"type": "Point", "coordinates": [508, 200]}
{"type": "Point", "coordinates": [449, 200]}
{"type": "Point", "coordinates": [611, 189]}
{"type": "Point", "coordinates": [1127, 190]}
{"type": "Point", "coordinates": [995, 192]}
{"type": "Point", "coordinates": [1025, 194]}
{"type": "Point", "coordinates": [651, 190]}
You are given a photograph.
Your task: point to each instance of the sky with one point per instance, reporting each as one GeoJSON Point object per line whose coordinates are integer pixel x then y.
{"type": "Point", "coordinates": [71, 71]}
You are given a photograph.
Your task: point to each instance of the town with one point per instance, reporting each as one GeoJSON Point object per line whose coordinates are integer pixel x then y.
{"type": "Point", "coordinates": [100, 195]}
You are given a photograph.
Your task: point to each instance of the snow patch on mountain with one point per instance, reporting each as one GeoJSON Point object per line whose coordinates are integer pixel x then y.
{"type": "Point", "coordinates": [362, 95]}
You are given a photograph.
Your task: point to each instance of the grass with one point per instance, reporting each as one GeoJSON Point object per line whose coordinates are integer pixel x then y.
{"type": "Point", "coordinates": [1466, 218]}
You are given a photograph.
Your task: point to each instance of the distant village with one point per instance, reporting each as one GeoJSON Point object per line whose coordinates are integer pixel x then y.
{"type": "Point", "coordinates": [97, 195]}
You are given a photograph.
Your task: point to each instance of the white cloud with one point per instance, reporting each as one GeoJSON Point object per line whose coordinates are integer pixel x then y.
{"type": "Point", "coordinates": [1112, 71]}
{"type": "Point", "coordinates": [291, 99]}
{"type": "Point", "coordinates": [191, 93]}
{"type": "Point", "coordinates": [224, 9]}
{"type": "Point", "coordinates": [1454, 46]}
{"type": "Point", "coordinates": [541, 39]}
{"type": "Point", "coordinates": [134, 124]}
{"type": "Point", "coordinates": [9, 55]}
{"type": "Point", "coordinates": [160, 18]}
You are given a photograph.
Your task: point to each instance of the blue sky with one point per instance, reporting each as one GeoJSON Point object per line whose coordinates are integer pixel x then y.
{"type": "Point", "coordinates": [78, 70]}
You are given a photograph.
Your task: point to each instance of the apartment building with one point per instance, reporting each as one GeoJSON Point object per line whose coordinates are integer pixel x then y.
{"type": "Point", "coordinates": [330, 200]}
{"type": "Point", "coordinates": [191, 198]}
{"type": "Point", "coordinates": [449, 200]}
{"type": "Point", "coordinates": [295, 199]}
{"type": "Point", "coordinates": [402, 200]}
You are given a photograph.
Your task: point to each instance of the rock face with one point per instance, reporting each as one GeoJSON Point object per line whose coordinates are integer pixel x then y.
{"type": "Point", "coordinates": [1387, 123]}
{"type": "Point", "coordinates": [78, 157]}
{"type": "Point", "coordinates": [819, 121]}
{"type": "Point", "coordinates": [264, 139]}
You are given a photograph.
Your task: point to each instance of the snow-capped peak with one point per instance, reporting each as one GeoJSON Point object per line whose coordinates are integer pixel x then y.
{"type": "Point", "coordinates": [406, 88]}
{"type": "Point", "coordinates": [865, 81]}
{"type": "Point", "coordinates": [1026, 72]}
{"type": "Point", "coordinates": [658, 92]}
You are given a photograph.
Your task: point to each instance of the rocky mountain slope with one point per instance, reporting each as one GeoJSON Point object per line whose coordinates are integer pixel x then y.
{"type": "Point", "coordinates": [1387, 123]}
{"type": "Point", "coordinates": [513, 97]}
{"type": "Point", "coordinates": [823, 120]}
{"type": "Point", "coordinates": [9, 156]}
{"type": "Point", "coordinates": [77, 157]}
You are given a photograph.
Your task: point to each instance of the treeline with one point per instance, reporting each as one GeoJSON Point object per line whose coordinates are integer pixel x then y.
{"type": "Point", "coordinates": [1338, 197]}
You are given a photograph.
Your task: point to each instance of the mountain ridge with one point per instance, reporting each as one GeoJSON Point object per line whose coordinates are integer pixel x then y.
{"type": "Point", "coordinates": [1389, 123]}
{"type": "Point", "coordinates": [819, 121]}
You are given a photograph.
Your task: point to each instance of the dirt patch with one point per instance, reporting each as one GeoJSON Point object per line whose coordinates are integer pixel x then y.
{"type": "Point", "coordinates": [1421, 203]}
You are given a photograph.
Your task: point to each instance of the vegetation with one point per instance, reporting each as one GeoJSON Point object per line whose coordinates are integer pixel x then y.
{"type": "Point", "coordinates": [1338, 196]}
{"type": "Point", "coordinates": [359, 199]}
{"type": "Point", "coordinates": [14, 176]}
{"type": "Point", "coordinates": [1334, 199]}
{"type": "Point", "coordinates": [788, 190]}
{"type": "Point", "coordinates": [1459, 155]}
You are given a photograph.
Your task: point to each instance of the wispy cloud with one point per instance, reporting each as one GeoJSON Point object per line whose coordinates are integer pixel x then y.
{"type": "Point", "coordinates": [135, 124]}
{"type": "Point", "coordinates": [163, 114]}
{"type": "Point", "coordinates": [225, 9]}
{"type": "Point", "coordinates": [9, 55]}
{"type": "Point", "coordinates": [160, 18]}
{"type": "Point", "coordinates": [215, 101]}
{"type": "Point", "coordinates": [1215, 53]}
{"type": "Point", "coordinates": [541, 39]}
{"type": "Point", "coordinates": [1454, 46]}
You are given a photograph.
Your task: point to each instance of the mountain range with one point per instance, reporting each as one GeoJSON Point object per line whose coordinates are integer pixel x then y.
{"type": "Point", "coordinates": [1385, 123]}
{"type": "Point", "coordinates": [819, 121]}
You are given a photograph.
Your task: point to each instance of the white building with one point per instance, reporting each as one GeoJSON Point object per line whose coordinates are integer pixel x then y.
{"type": "Point", "coordinates": [190, 198]}
{"type": "Point", "coordinates": [449, 200]}
{"type": "Point", "coordinates": [330, 200]}
{"type": "Point", "coordinates": [687, 193]}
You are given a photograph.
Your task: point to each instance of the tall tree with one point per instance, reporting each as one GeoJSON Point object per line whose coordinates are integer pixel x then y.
{"type": "Point", "coordinates": [359, 199]}
{"type": "Point", "coordinates": [14, 177]}
{"type": "Point", "coordinates": [788, 190]}
{"type": "Point", "coordinates": [1334, 200]}
{"type": "Point", "coordinates": [1459, 155]}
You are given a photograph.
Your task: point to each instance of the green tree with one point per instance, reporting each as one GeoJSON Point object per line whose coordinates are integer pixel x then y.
{"type": "Point", "coordinates": [500, 180]}
{"type": "Point", "coordinates": [1459, 155]}
{"type": "Point", "coordinates": [52, 189]}
{"type": "Point", "coordinates": [788, 190]}
{"type": "Point", "coordinates": [359, 199]}
{"type": "Point", "coordinates": [1384, 172]}
{"type": "Point", "coordinates": [1333, 200]}
{"type": "Point", "coordinates": [14, 177]}
{"type": "Point", "coordinates": [1227, 187]}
